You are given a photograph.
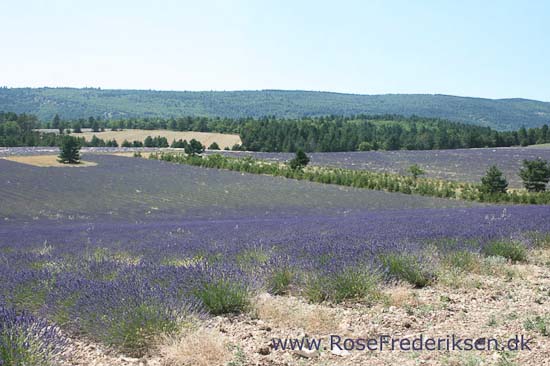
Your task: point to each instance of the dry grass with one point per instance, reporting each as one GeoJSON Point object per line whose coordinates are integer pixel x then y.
{"type": "Point", "coordinates": [288, 312]}
{"type": "Point", "coordinates": [400, 296]}
{"type": "Point", "coordinates": [45, 161]}
{"type": "Point", "coordinates": [201, 347]}
{"type": "Point", "coordinates": [144, 154]}
{"type": "Point", "coordinates": [206, 138]}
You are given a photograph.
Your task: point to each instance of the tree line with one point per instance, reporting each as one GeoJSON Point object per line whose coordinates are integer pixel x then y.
{"type": "Point", "coordinates": [390, 182]}
{"type": "Point", "coordinates": [310, 134]}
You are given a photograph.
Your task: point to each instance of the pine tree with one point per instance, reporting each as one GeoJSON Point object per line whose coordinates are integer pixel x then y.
{"type": "Point", "coordinates": [300, 160]}
{"type": "Point", "coordinates": [56, 123]}
{"type": "Point", "coordinates": [493, 181]}
{"type": "Point", "coordinates": [77, 128]}
{"type": "Point", "coordinates": [194, 147]}
{"type": "Point", "coordinates": [214, 146]}
{"type": "Point", "coordinates": [70, 151]}
{"type": "Point", "coordinates": [148, 142]}
{"type": "Point", "coordinates": [535, 174]}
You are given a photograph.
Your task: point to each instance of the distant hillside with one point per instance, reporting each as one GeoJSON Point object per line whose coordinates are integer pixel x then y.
{"type": "Point", "coordinates": [69, 103]}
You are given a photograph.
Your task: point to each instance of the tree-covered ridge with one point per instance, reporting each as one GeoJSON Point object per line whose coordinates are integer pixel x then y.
{"type": "Point", "coordinates": [322, 134]}
{"type": "Point", "coordinates": [501, 114]}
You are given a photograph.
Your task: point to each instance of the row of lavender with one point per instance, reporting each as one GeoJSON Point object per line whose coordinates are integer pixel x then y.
{"type": "Point", "coordinates": [123, 284]}
{"type": "Point", "coordinates": [463, 165]}
{"type": "Point", "coordinates": [467, 165]}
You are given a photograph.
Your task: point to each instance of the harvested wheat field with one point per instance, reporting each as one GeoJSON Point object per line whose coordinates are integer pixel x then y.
{"type": "Point", "coordinates": [206, 138]}
{"type": "Point", "coordinates": [45, 161]}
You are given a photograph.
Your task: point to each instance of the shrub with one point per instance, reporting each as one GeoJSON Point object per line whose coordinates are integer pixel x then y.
{"type": "Point", "coordinates": [224, 297]}
{"type": "Point", "coordinates": [416, 171]}
{"type": "Point", "coordinates": [514, 251]}
{"type": "Point", "coordinates": [407, 268]}
{"type": "Point", "coordinates": [540, 324]}
{"type": "Point", "coordinates": [462, 260]}
{"type": "Point", "coordinates": [357, 284]}
{"type": "Point", "coordinates": [279, 281]}
{"type": "Point", "coordinates": [126, 315]}
{"type": "Point", "coordinates": [539, 239]}
{"type": "Point", "coordinates": [133, 330]}
{"type": "Point", "coordinates": [365, 146]}
{"type": "Point", "coordinates": [251, 258]}
{"type": "Point", "coordinates": [25, 340]}
{"type": "Point", "coordinates": [353, 284]}
{"type": "Point", "coordinates": [316, 289]}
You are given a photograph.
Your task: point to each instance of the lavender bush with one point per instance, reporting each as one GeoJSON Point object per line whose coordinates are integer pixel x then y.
{"type": "Point", "coordinates": [26, 340]}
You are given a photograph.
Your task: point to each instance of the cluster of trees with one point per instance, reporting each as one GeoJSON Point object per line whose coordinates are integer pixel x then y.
{"type": "Point", "coordinates": [337, 133]}
{"type": "Point", "coordinates": [18, 130]}
{"type": "Point", "coordinates": [70, 149]}
{"type": "Point", "coordinates": [157, 141]}
{"type": "Point", "coordinates": [97, 142]}
{"type": "Point", "coordinates": [535, 175]}
{"type": "Point", "coordinates": [329, 133]}
{"type": "Point", "coordinates": [378, 133]}
{"type": "Point", "coordinates": [359, 178]}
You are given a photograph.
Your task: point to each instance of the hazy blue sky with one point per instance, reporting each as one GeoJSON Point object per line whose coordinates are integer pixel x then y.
{"type": "Point", "coordinates": [492, 49]}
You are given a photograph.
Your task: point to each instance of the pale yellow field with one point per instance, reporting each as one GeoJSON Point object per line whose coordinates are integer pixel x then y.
{"type": "Point", "coordinates": [539, 146]}
{"type": "Point", "coordinates": [206, 138]}
{"type": "Point", "coordinates": [144, 154]}
{"type": "Point", "coordinates": [47, 161]}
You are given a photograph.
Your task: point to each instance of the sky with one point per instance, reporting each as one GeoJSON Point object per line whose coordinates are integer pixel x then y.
{"type": "Point", "coordinates": [492, 49]}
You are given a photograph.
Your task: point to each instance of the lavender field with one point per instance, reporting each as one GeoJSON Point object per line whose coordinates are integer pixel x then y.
{"type": "Point", "coordinates": [131, 248]}
{"type": "Point", "coordinates": [464, 165]}
{"type": "Point", "coordinates": [129, 188]}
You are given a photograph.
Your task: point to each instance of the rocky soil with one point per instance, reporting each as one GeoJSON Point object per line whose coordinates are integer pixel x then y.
{"type": "Point", "coordinates": [502, 301]}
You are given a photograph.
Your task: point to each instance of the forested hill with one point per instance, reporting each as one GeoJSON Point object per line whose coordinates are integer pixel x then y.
{"type": "Point", "coordinates": [70, 103]}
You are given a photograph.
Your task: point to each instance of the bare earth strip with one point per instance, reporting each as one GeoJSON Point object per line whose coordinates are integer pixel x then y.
{"type": "Point", "coordinates": [206, 138]}
{"type": "Point", "coordinates": [45, 161]}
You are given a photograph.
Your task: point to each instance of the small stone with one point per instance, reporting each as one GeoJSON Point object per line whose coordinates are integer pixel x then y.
{"type": "Point", "coordinates": [306, 354]}
{"type": "Point", "coordinates": [340, 352]}
{"type": "Point", "coordinates": [264, 350]}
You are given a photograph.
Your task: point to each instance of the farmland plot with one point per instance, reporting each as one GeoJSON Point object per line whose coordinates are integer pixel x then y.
{"type": "Point", "coordinates": [131, 249]}
{"type": "Point", "coordinates": [133, 188]}
{"type": "Point", "coordinates": [464, 165]}
{"type": "Point", "coordinates": [206, 138]}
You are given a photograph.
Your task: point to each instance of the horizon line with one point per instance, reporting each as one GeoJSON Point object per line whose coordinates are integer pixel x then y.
{"type": "Point", "coordinates": [264, 90]}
